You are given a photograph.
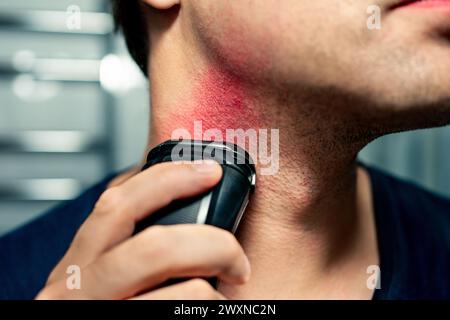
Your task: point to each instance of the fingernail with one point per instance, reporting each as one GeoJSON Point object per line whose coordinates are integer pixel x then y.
{"type": "Point", "coordinates": [206, 166]}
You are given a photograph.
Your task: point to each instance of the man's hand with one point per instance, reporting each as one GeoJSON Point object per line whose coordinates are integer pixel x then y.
{"type": "Point", "coordinates": [115, 265]}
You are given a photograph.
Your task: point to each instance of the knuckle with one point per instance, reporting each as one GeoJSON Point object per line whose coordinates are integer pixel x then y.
{"type": "Point", "coordinates": [230, 245]}
{"type": "Point", "coordinates": [158, 242]}
{"type": "Point", "coordinates": [154, 234]}
{"type": "Point", "coordinates": [109, 200]}
{"type": "Point", "coordinates": [112, 203]}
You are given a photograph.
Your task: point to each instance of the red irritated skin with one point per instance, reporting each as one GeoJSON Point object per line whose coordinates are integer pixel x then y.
{"type": "Point", "coordinates": [218, 101]}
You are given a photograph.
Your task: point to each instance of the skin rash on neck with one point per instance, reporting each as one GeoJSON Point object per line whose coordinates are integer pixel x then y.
{"type": "Point", "coordinates": [218, 102]}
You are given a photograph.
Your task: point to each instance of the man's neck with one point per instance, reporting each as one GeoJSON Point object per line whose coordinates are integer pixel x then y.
{"type": "Point", "coordinates": [310, 218]}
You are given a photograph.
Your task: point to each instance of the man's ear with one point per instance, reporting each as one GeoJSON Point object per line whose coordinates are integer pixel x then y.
{"type": "Point", "coordinates": [161, 4]}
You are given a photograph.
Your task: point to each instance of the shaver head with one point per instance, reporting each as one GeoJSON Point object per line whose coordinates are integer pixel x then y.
{"type": "Point", "coordinates": [222, 206]}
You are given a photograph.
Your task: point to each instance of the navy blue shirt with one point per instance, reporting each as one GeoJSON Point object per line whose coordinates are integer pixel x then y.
{"type": "Point", "coordinates": [413, 230]}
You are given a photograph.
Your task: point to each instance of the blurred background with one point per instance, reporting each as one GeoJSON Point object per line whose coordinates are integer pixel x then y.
{"type": "Point", "coordinates": [74, 107]}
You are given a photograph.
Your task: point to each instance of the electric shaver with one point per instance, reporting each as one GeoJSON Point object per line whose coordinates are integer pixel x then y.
{"type": "Point", "coordinates": [223, 205]}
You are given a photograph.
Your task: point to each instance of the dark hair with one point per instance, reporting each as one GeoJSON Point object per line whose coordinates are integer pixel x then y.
{"type": "Point", "coordinates": [129, 17]}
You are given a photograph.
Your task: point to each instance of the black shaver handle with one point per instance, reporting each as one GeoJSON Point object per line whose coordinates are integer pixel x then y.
{"type": "Point", "coordinates": [222, 206]}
